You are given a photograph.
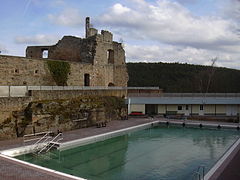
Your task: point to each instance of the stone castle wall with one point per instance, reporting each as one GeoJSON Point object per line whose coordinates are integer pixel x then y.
{"type": "Point", "coordinates": [17, 71]}
{"type": "Point", "coordinates": [48, 110]}
{"type": "Point", "coordinates": [10, 104]}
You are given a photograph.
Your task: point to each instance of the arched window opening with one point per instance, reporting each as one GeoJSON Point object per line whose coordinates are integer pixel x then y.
{"type": "Point", "coordinates": [111, 84]}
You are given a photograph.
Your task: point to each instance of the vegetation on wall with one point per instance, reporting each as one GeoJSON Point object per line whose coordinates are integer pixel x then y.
{"type": "Point", "coordinates": [183, 78]}
{"type": "Point", "coordinates": [59, 71]}
{"type": "Point", "coordinates": [114, 106]}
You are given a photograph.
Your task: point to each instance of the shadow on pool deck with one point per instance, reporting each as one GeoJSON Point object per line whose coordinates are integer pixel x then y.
{"type": "Point", "coordinates": [14, 171]}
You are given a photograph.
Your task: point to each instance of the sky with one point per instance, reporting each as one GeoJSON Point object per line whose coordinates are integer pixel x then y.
{"type": "Point", "coordinates": [184, 31]}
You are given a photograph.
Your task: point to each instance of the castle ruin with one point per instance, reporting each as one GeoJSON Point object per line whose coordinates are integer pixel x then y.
{"type": "Point", "coordinates": [95, 60]}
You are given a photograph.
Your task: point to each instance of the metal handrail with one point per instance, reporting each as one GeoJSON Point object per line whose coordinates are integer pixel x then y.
{"type": "Point", "coordinates": [197, 174]}
{"type": "Point", "coordinates": [44, 137]}
{"type": "Point", "coordinates": [203, 170]}
{"type": "Point", "coordinates": [200, 174]}
{"type": "Point", "coordinates": [54, 144]}
{"type": "Point", "coordinates": [36, 134]}
{"type": "Point", "coordinates": [49, 142]}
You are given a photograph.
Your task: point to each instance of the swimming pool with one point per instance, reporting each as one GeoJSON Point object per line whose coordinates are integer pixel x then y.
{"type": "Point", "coordinates": [161, 152]}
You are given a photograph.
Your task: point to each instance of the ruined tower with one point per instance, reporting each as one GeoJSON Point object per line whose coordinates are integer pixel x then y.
{"type": "Point", "coordinates": [101, 59]}
{"type": "Point", "coordinates": [87, 27]}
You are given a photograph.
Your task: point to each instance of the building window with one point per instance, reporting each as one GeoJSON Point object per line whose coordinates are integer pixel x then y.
{"type": "Point", "coordinates": [201, 107]}
{"type": "Point", "coordinates": [179, 108]}
{"type": "Point", "coordinates": [86, 80]}
{"type": "Point", "coordinates": [186, 107]}
{"type": "Point", "coordinates": [110, 56]}
{"type": "Point", "coordinates": [45, 53]}
{"type": "Point", "coordinates": [36, 71]}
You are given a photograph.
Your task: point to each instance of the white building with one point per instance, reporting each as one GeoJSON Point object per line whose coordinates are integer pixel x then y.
{"type": "Point", "coordinates": [188, 104]}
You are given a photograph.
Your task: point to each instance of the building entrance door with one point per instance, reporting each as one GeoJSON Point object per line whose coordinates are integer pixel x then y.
{"type": "Point", "coordinates": [151, 109]}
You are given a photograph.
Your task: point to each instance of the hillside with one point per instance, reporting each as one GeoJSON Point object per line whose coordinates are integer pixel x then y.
{"type": "Point", "coordinates": [175, 77]}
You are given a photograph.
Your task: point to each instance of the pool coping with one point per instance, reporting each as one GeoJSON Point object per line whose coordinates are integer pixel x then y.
{"type": "Point", "coordinates": [104, 136]}
{"type": "Point", "coordinates": [222, 163]}
{"type": "Point", "coordinates": [202, 124]}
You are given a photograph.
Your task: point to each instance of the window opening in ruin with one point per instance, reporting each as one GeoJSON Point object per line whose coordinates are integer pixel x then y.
{"type": "Point", "coordinates": [45, 53]}
{"type": "Point", "coordinates": [86, 80]}
{"type": "Point", "coordinates": [110, 84]}
{"type": "Point", "coordinates": [110, 56]}
{"type": "Point", "coordinates": [36, 71]}
{"type": "Point", "coordinates": [16, 70]}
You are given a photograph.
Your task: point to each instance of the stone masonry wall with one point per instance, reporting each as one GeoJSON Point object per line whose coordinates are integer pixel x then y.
{"type": "Point", "coordinates": [58, 110]}
{"type": "Point", "coordinates": [11, 104]}
{"type": "Point", "coordinates": [53, 95]}
{"type": "Point", "coordinates": [21, 71]}
{"type": "Point", "coordinates": [17, 71]}
{"type": "Point", "coordinates": [8, 105]}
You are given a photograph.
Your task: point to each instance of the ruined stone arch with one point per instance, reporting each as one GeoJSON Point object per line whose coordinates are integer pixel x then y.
{"type": "Point", "coordinates": [111, 84]}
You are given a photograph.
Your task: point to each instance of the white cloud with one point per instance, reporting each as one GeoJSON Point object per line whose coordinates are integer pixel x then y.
{"type": "Point", "coordinates": [231, 9]}
{"type": "Point", "coordinates": [170, 53]}
{"type": "Point", "coordinates": [171, 23]}
{"type": "Point", "coordinates": [176, 34]}
{"type": "Point", "coordinates": [68, 17]}
{"type": "Point", "coordinates": [37, 39]}
{"type": "Point", "coordinates": [120, 9]}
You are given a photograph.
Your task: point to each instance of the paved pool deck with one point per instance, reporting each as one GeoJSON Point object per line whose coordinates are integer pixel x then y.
{"type": "Point", "coordinates": [10, 170]}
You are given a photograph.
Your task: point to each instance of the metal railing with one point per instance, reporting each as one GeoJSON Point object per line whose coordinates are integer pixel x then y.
{"type": "Point", "coordinates": [44, 143]}
{"type": "Point", "coordinates": [50, 144]}
{"type": "Point", "coordinates": [38, 141]}
{"type": "Point", "coordinates": [200, 173]}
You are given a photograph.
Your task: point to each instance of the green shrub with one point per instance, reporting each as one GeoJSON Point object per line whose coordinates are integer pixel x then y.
{"type": "Point", "coordinates": [59, 71]}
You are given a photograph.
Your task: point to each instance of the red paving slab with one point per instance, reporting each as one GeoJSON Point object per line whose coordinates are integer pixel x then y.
{"type": "Point", "coordinates": [232, 171]}
{"type": "Point", "coordinates": [14, 171]}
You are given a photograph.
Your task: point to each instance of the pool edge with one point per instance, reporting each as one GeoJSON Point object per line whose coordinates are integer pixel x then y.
{"type": "Point", "coordinates": [41, 169]}
{"type": "Point", "coordinates": [222, 163]}
{"type": "Point", "coordinates": [105, 136]}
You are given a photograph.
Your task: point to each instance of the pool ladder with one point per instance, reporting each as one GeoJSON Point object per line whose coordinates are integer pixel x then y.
{"type": "Point", "coordinates": [200, 173]}
{"type": "Point", "coordinates": [54, 143]}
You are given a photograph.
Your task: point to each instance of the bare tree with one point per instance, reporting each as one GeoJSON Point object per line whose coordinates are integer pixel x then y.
{"type": "Point", "coordinates": [211, 73]}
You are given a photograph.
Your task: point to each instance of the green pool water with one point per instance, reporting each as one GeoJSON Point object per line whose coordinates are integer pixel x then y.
{"type": "Point", "coordinates": [159, 153]}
